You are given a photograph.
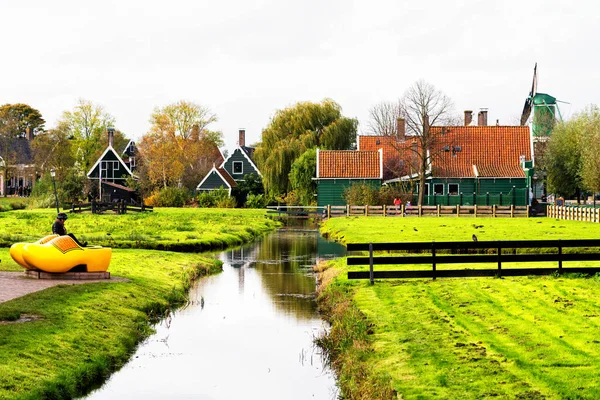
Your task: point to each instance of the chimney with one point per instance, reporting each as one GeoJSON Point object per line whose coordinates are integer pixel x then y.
{"type": "Point", "coordinates": [468, 117]}
{"type": "Point", "coordinates": [242, 138]}
{"type": "Point", "coordinates": [29, 134]}
{"type": "Point", "coordinates": [497, 122]}
{"type": "Point", "coordinates": [401, 128]}
{"type": "Point", "coordinates": [482, 117]}
{"type": "Point", "coordinates": [111, 135]}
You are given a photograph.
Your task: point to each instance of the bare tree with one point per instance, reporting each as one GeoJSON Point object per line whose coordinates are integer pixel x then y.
{"type": "Point", "coordinates": [424, 106]}
{"type": "Point", "coordinates": [383, 119]}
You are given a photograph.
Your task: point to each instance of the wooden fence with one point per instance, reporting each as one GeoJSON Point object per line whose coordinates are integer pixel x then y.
{"type": "Point", "coordinates": [401, 211]}
{"type": "Point", "coordinates": [120, 207]}
{"type": "Point", "coordinates": [588, 214]}
{"type": "Point", "coordinates": [450, 256]}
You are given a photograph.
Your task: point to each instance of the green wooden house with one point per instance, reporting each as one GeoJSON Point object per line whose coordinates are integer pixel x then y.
{"type": "Point", "coordinates": [110, 167]}
{"type": "Point", "coordinates": [232, 169]}
{"type": "Point", "coordinates": [339, 169]}
{"type": "Point", "coordinates": [467, 164]}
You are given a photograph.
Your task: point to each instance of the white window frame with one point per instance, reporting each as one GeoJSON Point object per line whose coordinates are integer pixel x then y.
{"type": "Point", "coordinates": [437, 185]}
{"type": "Point", "coordinates": [457, 189]}
{"type": "Point", "coordinates": [233, 164]}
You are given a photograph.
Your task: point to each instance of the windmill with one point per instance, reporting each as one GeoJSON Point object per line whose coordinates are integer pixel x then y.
{"type": "Point", "coordinates": [545, 110]}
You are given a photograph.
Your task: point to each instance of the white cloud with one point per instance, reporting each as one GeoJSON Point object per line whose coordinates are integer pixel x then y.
{"type": "Point", "coordinates": [245, 60]}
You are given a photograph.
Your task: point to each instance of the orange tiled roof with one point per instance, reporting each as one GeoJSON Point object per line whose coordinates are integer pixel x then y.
{"type": "Point", "coordinates": [393, 150]}
{"type": "Point", "coordinates": [349, 164]}
{"type": "Point", "coordinates": [495, 151]}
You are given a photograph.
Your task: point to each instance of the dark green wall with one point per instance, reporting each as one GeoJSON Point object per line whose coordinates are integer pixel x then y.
{"type": "Point", "coordinates": [330, 191]}
{"type": "Point", "coordinates": [214, 181]}
{"type": "Point", "coordinates": [112, 175]}
{"type": "Point", "coordinates": [247, 168]}
{"type": "Point", "coordinates": [480, 186]}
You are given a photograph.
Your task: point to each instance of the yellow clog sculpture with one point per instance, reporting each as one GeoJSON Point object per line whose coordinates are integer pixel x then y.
{"type": "Point", "coordinates": [62, 254]}
{"type": "Point", "coordinates": [16, 250]}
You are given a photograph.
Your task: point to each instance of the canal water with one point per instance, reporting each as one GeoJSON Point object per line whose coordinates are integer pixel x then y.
{"type": "Point", "coordinates": [247, 333]}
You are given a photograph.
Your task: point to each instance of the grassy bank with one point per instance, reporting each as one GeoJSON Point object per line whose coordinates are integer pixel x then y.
{"type": "Point", "coordinates": [176, 229]}
{"type": "Point", "coordinates": [60, 342]}
{"type": "Point", "coordinates": [524, 338]}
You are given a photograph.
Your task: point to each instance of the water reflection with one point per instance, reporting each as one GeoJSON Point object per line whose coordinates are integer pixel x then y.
{"type": "Point", "coordinates": [246, 333]}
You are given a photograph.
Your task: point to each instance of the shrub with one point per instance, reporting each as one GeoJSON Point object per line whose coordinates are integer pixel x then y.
{"type": "Point", "coordinates": [169, 197]}
{"type": "Point", "coordinates": [256, 201]}
{"type": "Point", "coordinates": [18, 205]}
{"type": "Point", "coordinates": [216, 198]}
{"type": "Point", "coordinates": [361, 194]}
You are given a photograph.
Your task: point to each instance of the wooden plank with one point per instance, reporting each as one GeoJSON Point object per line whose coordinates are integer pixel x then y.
{"type": "Point", "coordinates": [488, 244]}
{"type": "Point", "coordinates": [473, 258]}
{"type": "Point", "coordinates": [465, 273]}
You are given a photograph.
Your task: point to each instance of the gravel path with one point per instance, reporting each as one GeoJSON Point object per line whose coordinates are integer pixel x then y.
{"type": "Point", "coordinates": [16, 284]}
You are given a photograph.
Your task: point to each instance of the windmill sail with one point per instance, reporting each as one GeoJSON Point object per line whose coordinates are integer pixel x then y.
{"type": "Point", "coordinates": [528, 103]}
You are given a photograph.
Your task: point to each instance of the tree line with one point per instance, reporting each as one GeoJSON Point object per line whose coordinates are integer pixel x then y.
{"type": "Point", "coordinates": [180, 147]}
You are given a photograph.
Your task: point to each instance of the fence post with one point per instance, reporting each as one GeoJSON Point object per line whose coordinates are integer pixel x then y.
{"type": "Point", "coordinates": [347, 210]}
{"type": "Point", "coordinates": [475, 210]}
{"type": "Point", "coordinates": [494, 210]}
{"type": "Point", "coordinates": [438, 210]}
{"type": "Point", "coordinates": [402, 209]}
{"type": "Point", "coordinates": [559, 257]}
{"type": "Point", "coordinates": [371, 277]}
{"type": "Point", "coordinates": [384, 210]}
{"type": "Point", "coordinates": [512, 211]}
{"type": "Point", "coordinates": [499, 260]}
{"type": "Point", "coordinates": [366, 210]}
{"type": "Point", "coordinates": [458, 210]}
{"type": "Point", "coordinates": [328, 211]}
{"type": "Point", "coordinates": [433, 259]}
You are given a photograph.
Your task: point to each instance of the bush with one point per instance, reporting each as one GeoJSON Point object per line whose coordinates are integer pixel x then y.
{"type": "Point", "coordinates": [18, 205]}
{"type": "Point", "coordinates": [361, 194]}
{"type": "Point", "coordinates": [216, 198]}
{"type": "Point", "coordinates": [169, 197]}
{"type": "Point", "coordinates": [256, 201]}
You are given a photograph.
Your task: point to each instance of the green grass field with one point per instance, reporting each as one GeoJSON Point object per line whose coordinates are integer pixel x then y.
{"type": "Point", "coordinates": [82, 333]}
{"type": "Point", "coordinates": [180, 229]}
{"type": "Point", "coordinates": [469, 338]}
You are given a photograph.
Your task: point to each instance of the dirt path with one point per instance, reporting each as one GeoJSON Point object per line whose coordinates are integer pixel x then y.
{"type": "Point", "coordinates": [16, 284]}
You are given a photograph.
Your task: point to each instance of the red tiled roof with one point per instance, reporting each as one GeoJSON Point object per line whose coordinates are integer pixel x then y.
{"type": "Point", "coordinates": [495, 151]}
{"type": "Point", "coordinates": [349, 164]}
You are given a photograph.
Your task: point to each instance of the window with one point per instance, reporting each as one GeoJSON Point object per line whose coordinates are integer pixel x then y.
{"type": "Point", "coordinates": [426, 189]}
{"type": "Point", "coordinates": [238, 167]}
{"type": "Point", "coordinates": [131, 162]}
{"type": "Point", "coordinates": [438, 188]}
{"type": "Point", "coordinates": [453, 189]}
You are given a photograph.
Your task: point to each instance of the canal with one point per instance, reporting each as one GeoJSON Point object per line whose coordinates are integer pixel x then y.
{"type": "Point", "coordinates": [246, 333]}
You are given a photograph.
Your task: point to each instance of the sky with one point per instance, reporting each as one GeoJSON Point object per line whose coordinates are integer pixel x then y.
{"type": "Point", "coordinates": [244, 60]}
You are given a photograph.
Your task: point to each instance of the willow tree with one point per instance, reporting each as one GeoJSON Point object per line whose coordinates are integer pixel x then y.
{"type": "Point", "coordinates": [293, 131]}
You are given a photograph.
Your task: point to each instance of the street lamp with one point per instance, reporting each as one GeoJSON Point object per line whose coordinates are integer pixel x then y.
{"type": "Point", "coordinates": [53, 174]}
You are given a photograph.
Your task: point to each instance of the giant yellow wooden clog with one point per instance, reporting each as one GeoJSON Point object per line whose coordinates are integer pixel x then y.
{"type": "Point", "coordinates": [62, 254]}
{"type": "Point", "coordinates": [16, 250]}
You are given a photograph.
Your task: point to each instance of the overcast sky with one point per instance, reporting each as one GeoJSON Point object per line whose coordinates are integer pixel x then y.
{"type": "Point", "coordinates": [246, 59]}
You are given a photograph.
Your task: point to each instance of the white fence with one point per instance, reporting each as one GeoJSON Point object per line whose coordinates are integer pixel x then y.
{"type": "Point", "coordinates": [587, 214]}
